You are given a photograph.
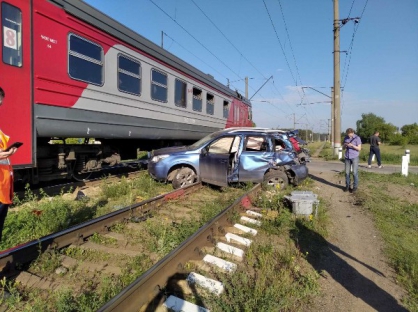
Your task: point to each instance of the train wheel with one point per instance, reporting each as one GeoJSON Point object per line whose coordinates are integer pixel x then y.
{"type": "Point", "coordinates": [185, 176]}
{"type": "Point", "coordinates": [82, 176]}
{"type": "Point", "coordinates": [78, 175]}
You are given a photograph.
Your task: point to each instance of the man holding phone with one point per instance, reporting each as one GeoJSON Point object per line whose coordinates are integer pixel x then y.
{"type": "Point", "coordinates": [352, 146]}
{"type": "Point", "coordinates": [6, 174]}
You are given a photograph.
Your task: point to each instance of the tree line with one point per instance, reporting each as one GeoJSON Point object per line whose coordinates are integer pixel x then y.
{"type": "Point", "coordinates": [390, 134]}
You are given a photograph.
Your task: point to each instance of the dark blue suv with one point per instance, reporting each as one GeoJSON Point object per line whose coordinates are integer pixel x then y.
{"type": "Point", "coordinates": [230, 156]}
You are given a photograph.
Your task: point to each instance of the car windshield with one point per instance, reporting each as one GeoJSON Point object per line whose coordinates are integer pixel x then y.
{"type": "Point", "coordinates": [203, 141]}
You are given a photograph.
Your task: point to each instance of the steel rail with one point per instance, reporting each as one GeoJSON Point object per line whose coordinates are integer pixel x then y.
{"type": "Point", "coordinates": [11, 258]}
{"type": "Point", "coordinates": [146, 291]}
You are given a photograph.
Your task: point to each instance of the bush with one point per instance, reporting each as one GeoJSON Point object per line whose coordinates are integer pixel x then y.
{"type": "Point", "coordinates": [398, 139]}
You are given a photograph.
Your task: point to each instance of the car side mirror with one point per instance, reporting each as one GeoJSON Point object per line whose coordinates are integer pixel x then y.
{"type": "Point", "coordinates": [204, 151]}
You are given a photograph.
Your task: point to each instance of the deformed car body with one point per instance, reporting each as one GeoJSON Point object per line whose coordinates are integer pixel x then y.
{"type": "Point", "coordinates": [230, 156]}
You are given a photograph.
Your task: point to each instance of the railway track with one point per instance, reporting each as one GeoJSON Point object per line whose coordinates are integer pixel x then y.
{"type": "Point", "coordinates": [182, 209]}
{"type": "Point", "coordinates": [223, 237]}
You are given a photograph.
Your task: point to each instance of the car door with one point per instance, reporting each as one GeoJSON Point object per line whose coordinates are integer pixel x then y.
{"type": "Point", "coordinates": [215, 160]}
{"type": "Point", "coordinates": [256, 158]}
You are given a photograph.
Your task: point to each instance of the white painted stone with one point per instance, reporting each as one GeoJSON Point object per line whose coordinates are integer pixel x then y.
{"type": "Point", "coordinates": [209, 284]}
{"type": "Point", "coordinates": [253, 213]}
{"type": "Point", "coordinates": [180, 305]}
{"type": "Point", "coordinates": [245, 229]}
{"type": "Point", "coordinates": [220, 263]}
{"type": "Point", "coordinates": [405, 166]}
{"type": "Point", "coordinates": [238, 239]}
{"type": "Point", "coordinates": [230, 249]}
{"type": "Point", "coordinates": [249, 220]}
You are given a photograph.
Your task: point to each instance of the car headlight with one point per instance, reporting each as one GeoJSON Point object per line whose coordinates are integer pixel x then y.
{"type": "Point", "coordinates": [158, 158]}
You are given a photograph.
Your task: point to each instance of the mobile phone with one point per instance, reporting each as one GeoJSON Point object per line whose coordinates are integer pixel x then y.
{"type": "Point", "coordinates": [15, 144]}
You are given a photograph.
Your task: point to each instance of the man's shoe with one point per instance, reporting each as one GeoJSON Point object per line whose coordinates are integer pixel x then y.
{"type": "Point", "coordinates": [380, 167]}
{"type": "Point", "coordinates": [369, 166]}
{"type": "Point", "coordinates": [354, 190]}
{"type": "Point", "coordinates": [346, 189]}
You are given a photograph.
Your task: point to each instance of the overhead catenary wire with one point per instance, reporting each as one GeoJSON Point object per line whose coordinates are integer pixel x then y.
{"type": "Point", "coordinates": [241, 54]}
{"type": "Point", "coordinates": [280, 43]}
{"type": "Point", "coordinates": [198, 41]}
{"type": "Point", "coordinates": [290, 43]}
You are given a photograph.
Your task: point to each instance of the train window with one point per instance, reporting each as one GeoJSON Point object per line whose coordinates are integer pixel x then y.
{"type": "Point", "coordinates": [197, 100]}
{"type": "Point", "coordinates": [11, 18]}
{"type": "Point", "coordinates": [129, 75]}
{"type": "Point", "coordinates": [180, 93]}
{"type": "Point", "coordinates": [85, 60]}
{"type": "Point", "coordinates": [210, 104]}
{"type": "Point", "coordinates": [158, 86]}
{"type": "Point", "coordinates": [226, 109]}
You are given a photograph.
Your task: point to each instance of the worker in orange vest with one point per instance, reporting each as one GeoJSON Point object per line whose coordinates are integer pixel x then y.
{"type": "Point", "coordinates": [6, 174]}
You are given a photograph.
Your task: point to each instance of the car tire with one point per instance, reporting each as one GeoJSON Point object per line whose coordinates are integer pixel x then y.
{"type": "Point", "coordinates": [277, 179]}
{"type": "Point", "coordinates": [184, 177]}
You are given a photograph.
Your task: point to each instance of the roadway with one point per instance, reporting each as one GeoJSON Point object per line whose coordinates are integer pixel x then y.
{"type": "Point", "coordinates": [318, 164]}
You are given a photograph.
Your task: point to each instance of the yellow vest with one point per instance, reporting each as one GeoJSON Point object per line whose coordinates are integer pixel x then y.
{"type": "Point", "coordinates": [6, 174]}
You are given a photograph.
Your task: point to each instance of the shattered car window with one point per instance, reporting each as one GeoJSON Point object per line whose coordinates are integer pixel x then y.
{"type": "Point", "coordinates": [221, 146]}
{"type": "Point", "coordinates": [256, 144]}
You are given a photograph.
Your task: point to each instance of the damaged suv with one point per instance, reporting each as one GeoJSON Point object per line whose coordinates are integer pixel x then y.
{"type": "Point", "coordinates": [230, 156]}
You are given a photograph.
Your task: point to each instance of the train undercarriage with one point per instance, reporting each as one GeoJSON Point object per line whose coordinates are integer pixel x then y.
{"type": "Point", "coordinates": [58, 160]}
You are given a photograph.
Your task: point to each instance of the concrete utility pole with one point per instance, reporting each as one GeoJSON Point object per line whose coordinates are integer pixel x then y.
{"type": "Point", "coordinates": [246, 87]}
{"type": "Point", "coordinates": [332, 118]}
{"type": "Point", "coordinates": [337, 87]}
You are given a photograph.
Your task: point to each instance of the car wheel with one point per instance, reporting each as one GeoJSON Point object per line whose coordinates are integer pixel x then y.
{"type": "Point", "coordinates": [277, 179]}
{"type": "Point", "coordinates": [185, 176]}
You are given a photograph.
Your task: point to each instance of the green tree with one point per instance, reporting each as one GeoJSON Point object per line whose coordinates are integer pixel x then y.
{"type": "Point", "coordinates": [411, 133]}
{"type": "Point", "coordinates": [369, 123]}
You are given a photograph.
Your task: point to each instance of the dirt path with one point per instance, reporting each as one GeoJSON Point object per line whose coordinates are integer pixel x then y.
{"type": "Point", "coordinates": [355, 273]}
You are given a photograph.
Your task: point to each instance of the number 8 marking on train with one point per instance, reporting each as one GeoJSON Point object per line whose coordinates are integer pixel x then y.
{"type": "Point", "coordinates": [9, 38]}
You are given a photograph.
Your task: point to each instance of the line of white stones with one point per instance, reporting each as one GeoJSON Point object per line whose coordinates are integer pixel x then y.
{"type": "Point", "coordinates": [177, 304]}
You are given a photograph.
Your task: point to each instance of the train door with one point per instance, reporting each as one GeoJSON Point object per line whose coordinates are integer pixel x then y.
{"type": "Point", "coordinates": [15, 78]}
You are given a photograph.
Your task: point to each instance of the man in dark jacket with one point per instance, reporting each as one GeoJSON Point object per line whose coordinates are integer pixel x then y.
{"type": "Point", "coordinates": [375, 150]}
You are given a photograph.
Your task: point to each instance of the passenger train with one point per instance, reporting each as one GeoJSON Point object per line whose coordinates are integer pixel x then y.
{"type": "Point", "coordinates": [70, 71]}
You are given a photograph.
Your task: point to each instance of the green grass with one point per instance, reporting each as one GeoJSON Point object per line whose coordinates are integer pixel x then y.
{"type": "Point", "coordinates": [275, 274]}
{"type": "Point", "coordinates": [397, 220]}
{"type": "Point", "coordinates": [36, 217]}
{"type": "Point", "coordinates": [391, 154]}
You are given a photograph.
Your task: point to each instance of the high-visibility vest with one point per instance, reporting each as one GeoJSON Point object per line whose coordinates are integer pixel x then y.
{"type": "Point", "coordinates": [6, 174]}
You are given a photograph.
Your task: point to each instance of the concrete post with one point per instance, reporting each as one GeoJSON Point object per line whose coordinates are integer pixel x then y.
{"type": "Point", "coordinates": [405, 166]}
{"type": "Point", "coordinates": [340, 152]}
{"type": "Point", "coordinates": [408, 155]}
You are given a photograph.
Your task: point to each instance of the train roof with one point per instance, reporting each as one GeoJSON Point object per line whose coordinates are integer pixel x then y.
{"type": "Point", "coordinates": [107, 24]}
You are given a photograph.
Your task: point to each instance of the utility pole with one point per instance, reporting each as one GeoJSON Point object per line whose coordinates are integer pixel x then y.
{"type": "Point", "coordinates": [332, 118]}
{"type": "Point", "coordinates": [337, 87]}
{"type": "Point", "coordinates": [329, 129]}
{"type": "Point", "coordinates": [162, 39]}
{"type": "Point", "coordinates": [246, 87]}
{"type": "Point", "coordinates": [294, 121]}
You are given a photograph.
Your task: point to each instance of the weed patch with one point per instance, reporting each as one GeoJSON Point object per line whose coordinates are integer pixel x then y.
{"type": "Point", "coordinates": [397, 220]}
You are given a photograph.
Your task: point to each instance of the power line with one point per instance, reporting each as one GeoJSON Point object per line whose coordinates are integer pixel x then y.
{"type": "Point", "coordinates": [195, 55]}
{"type": "Point", "coordinates": [280, 43]}
{"type": "Point", "coordinates": [290, 42]}
{"type": "Point", "coordinates": [242, 55]}
{"type": "Point", "coordinates": [352, 43]}
{"type": "Point", "coordinates": [194, 38]}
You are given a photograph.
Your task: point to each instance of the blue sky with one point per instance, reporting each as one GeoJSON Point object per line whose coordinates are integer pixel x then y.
{"type": "Point", "coordinates": [293, 42]}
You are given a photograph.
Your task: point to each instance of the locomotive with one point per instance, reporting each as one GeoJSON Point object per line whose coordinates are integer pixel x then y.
{"type": "Point", "coordinates": [70, 71]}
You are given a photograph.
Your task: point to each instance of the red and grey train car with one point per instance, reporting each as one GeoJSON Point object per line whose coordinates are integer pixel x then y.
{"type": "Point", "coordinates": [70, 71]}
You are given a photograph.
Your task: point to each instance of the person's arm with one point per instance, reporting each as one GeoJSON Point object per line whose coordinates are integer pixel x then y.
{"type": "Point", "coordinates": [4, 155]}
{"type": "Point", "coordinates": [356, 147]}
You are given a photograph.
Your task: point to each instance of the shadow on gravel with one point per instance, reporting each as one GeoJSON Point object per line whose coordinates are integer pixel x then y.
{"type": "Point", "coordinates": [175, 286]}
{"type": "Point", "coordinates": [324, 256]}
{"type": "Point", "coordinates": [338, 186]}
